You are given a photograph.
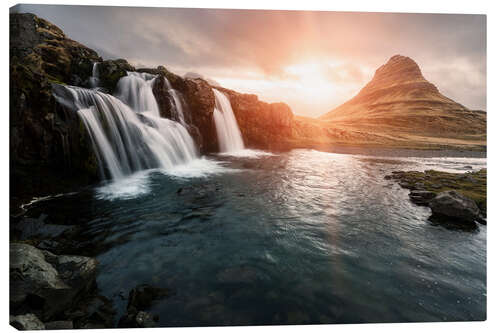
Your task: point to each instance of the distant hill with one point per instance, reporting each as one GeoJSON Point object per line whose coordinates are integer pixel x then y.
{"type": "Point", "coordinates": [399, 100]}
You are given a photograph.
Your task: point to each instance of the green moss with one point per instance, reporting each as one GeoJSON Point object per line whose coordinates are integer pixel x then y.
{"type": "Point", "coordinates": [470, 184]}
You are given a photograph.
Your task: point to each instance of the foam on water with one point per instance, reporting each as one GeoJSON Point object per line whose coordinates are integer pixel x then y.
{"type": "Point", "coordinates": [199, 168]}
{"type": "Point", "coordinates": [131, 187]}
{"type": "Point", "coordinates": [247, 153]}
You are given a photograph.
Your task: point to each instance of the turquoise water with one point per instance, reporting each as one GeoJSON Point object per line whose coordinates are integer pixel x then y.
{"type": "Point", "coordinates": [289, 238]}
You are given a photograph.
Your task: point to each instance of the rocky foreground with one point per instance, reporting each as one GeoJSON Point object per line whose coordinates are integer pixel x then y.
{"type": "Point", "coordinates": [49, 291]}
{"type": "Point", "coordinates": [456, 200]}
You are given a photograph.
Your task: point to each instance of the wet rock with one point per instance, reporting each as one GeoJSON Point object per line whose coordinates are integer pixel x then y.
{"type": "Point", "coordinates": [138, 319]}
{"type": "Point", "coordinates": [46, 284]}
{"type": "Point", "coordinates": [421, 197]}
{"type": "Point", "coordinates": [59, 325]}
{"type": "Point", "coordinates": [111, 71]}
{"type": "Point", "coordinates": [453, 205]}
{"type": "Point", "coordinates": [27, 322]}
{"type": "Point", "coordinates": [140, 299]}
{"type": "Point", "coordinates": [28, 228]}
{"type": "Point", "coordinates": [93, 311]}
{"type": "Point", "coordinates": [142, 296]}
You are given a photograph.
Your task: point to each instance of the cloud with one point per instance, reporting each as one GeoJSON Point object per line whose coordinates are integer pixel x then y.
{"type": "Point", "coordinates": [249, 45]}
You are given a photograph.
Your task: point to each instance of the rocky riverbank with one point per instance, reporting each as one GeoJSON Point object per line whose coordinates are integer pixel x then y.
{"type": "Point", "coordinates": [456, 200]}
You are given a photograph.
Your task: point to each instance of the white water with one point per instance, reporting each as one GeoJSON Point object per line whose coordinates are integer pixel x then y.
{"type": "Point", "coordinates": [94, 79]}
{"type": "Point", "coordinates": [228, 132]}
{"type": "Point", "coordinates": [136, 91]}
{"type": "Point", "coordinates": [177, 105]}
{"type": "Point", "coordinates": [131, 137]}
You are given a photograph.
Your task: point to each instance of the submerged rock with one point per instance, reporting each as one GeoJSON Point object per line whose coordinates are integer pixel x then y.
{"type": "Point", "coordinates": [453, 205]}
{"type": "Point", "coordinates": [138, 319]}
{"type": "Point", "coordinates": [27, 322]}
{"type": "Point", "coordinates": [140, 299]}
{"type": "Point", "coordinates": [142, 296]}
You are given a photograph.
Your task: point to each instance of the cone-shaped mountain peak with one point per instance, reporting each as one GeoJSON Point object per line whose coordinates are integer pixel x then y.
{"type": "Point", "coordinates": [398, 71]}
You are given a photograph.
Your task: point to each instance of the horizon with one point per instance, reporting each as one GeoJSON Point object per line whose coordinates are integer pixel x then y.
{"type": "Point", "coordinates": [305, 70]}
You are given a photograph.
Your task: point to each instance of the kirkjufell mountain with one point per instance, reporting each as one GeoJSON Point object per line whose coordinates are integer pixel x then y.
{"type": "Point", "coordinates": [399, 98]}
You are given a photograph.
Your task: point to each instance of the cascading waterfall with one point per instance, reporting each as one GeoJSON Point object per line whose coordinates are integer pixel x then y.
{"type": "Point", "coordinates": [126, 132]}
{"type": "Point", "coordinates": [135, 90]}
{"type": "Point", "coordinates": [94, 79]}
{"type": "Point", "coordinates": [177, 105]}
{"type": "Point", "coordinates": [228, 132]}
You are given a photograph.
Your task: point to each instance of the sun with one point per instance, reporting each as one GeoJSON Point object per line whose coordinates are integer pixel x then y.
{"type": "Point", "coordinates": [311, 78]}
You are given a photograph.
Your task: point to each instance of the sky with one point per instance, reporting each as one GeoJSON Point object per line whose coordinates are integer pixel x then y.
{"type": "Point", "coordinates": [311, 60]}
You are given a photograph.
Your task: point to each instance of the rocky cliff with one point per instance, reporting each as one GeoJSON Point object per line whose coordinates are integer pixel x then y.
{"type": "Point", "coordinates": [262, 125]}
{"type": "Point", "coordinates": [49, 149]}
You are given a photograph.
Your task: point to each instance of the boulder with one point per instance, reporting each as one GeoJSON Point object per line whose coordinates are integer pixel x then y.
{"type": "Point", "coordinates": [421, 197]}
{"type": "Point", "coordinates": [59, 325]}
{"type": "Point", "coordinates": [138, 319]}
{"type": "Point", "coordinates": [455, 206]}
{"type": "Point", "coordinates": [46, 284]}
{"type": "Point", "coordinates": [27, 322]}
{"type": "Point", "coordinates": [142, 296]}
{"type": "Point", "coordinates": [140, 299]}
{"type": "Point", "coordinates": [111, 71]}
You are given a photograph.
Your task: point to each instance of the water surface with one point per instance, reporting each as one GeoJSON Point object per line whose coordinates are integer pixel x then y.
{"type": "Point", "coordinates": [297, 237]}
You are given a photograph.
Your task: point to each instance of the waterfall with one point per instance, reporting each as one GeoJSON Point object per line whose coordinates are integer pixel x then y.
{"type": "Point", "coordinates": [94, 79]}
{"type": "Point", "coordinates": [135, 90]}
{"type": "Point", "coordinates": [126, 131]}
{"type": "Point", "coordinates": [228, 132]}
{"type": "Point", "coordinates": [177, 103]}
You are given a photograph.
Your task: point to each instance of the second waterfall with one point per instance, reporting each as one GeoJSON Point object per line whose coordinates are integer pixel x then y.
{"type": "Point", "coordinates": [228, 132]}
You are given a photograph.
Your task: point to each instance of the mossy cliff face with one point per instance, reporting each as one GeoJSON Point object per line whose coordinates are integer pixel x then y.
{"type": "Point", "coordinates": [49, 151]}
{"type": "Point", "coordinates": [111, 71]}
{"type": "Point", "coordinates": [262, 125]}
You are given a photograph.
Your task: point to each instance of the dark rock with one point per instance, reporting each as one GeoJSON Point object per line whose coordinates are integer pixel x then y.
{"type": "Point", "coordinates": [453, 205]}
{"type": "Point", "coordinates": [140, 299]}
{"type": "Point", "coordinates": [50, 150]}
{"type": "Point", "coordinates": [138, 319]}
{"type": "Point", "coordinates": [142, 296]}
{"type": "Point", "coordinates": [46, 284]}
{"type": "Point", "coordinates": [28, 228]}
{"type": "Point", "coordinates": [200, 100]}
{"type": "Point", "coordinates": [162, 96]}
{"type": "Point", "coordinates": [59, 325]}
{"type": "Point", "coordinates": [111, 71]}
{"type": "Point", "coordinates": [27, 322]}
{"type": "Point", "coordinates": [93, 311]}
{"type": "Point", "coordinates": [421, 197]}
